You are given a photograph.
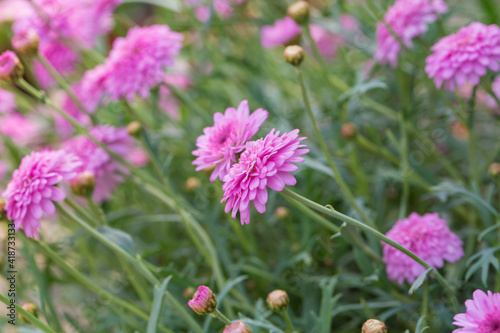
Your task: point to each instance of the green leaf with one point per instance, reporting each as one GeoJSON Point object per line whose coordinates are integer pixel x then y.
{"type": "Point", "coordinates": [157, 303]}
{"type": "Point", "coordinates": [120, 238]}
{"type": "Point", "coordinates": [173, 5]}
{"type": "Point", "coordinates": [484, 259]}
{"type": "Point", "coordinates": [420, 326]}
{"type": "Point", "coordinates": [419, 281]}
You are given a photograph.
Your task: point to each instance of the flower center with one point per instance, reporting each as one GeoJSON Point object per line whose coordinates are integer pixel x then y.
{"type": "Point", "coordinates": [491, 324]}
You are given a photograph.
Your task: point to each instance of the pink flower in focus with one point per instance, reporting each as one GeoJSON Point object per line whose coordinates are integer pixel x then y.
{"type": "Point", "coordinates": [327, 42]}
{"type": "Point", "coordinates": [107, 172]}
{"type": "Point", "coordinates": [32, 189]}
{"type": "Point", "coordinates": [408, 19]}
{"type": "Point", "coordinates": [21, 130]}
{"type": "Point", "coordinates": [428, 237]}
{"type": "Point", "coordinates": [136, 63]}
{"type": "Point", "coordinates": [280, 33]}
{"type": "Point", "coordinates": [265, 162]}
{"type": "Point", "coordinates": [219, 144]}
{"type": "Point", "coordinates": [7, 101]}
{"type": "Point", "coordinates": [482, 314]}
{"type": "Point", "coordinates": [464, 56]}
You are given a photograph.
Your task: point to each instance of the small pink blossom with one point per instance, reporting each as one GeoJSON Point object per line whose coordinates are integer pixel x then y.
{"type": "Point", "coordinates": [482, 314]}
{"type": "Point", "coordinates": [202, 13]}
{"type": "Point", "coordinates": [33, 188]}
{"type": "Point", "coordinates": [139, 157]}
{"type": "Point", "coordinates": [465, 56]}
{"type": "Point", "coordinates": [9, 65]}
{"type": "Point", "coordinates": [266, 162]}
{"type": "Point", "coordinates": [327, 42]}
{"type": "Point", "coordinates": [220, 144]}
{"type": "Point", "coordinates": [428, 237]}
{"type": "Point", "coordinates": [21, 130]}
{"type": "Point", "coordinates": [280, 33]}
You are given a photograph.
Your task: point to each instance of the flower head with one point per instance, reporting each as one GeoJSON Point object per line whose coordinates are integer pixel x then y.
{"type": "Point", "coordinates": [482, 315]}
{"type": "Point", "coordinates": [107, 172]}
{"type": "Point", "coordinates": [33, 188]}
{"type": "Point", "coordinates": [266, 162]}
{"type": "Point", "coordinates": [280, 33]}
{"type": "Point", "coordinates": [237, 327]}
{"type": "Point", "coordinates": [26, 41]}
{"type": "Point", "coordinates": [328, 42]}
{"type": "Point", "coordinates": [61, 57]}
{"type": "Point", "coordinates": [136, 63]}
{"type": "Point", "coordinates": [428, 237]}
{"type": "Point", "coordinates": [465, 56]}
{"type": "Point", "coordinates": [220, 144]}
{"type": "Point", "coordinates": [408, 19]}
{"type": "Point", "coordinates": [374, 326]}
{"type": "Point", "coordinates": [10, 66]}
{"type": "Point", "coordinates": [204, 301]}
{"type": "Point", "coordinates": [278, 300]}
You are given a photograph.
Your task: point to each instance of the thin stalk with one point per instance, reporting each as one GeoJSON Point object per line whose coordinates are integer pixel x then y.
{"type": "Point", "coordinates": [219, 315]}
{"type": "Point", "coordinates": [82, 212]}
{"type": "Point", "coordinates": [333, 213]}
{"type": "Point", "coordinates": [32, 319]}
{"type": "Point", "coordinates": [425, 301]}
{"type": "Point", "coordinates": [472, 144]}
{"type": "Point", "coordinates": [338, 177]}
{"type": "Point", "coordinates": [99, 214]}
{"type": "Point", "coordinates": [288, 321]}
{"type": "Point", "coordinates": [405, 169]}
{"type": "Point", "coordinates": [136, 283]}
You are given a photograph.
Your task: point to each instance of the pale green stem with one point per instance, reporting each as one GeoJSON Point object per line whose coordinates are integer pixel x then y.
{"type": "Point", "coordinates": [333, 213]}
{"type": "Point", "coordinates": [219, 315]}
{"type": "Point", "coordinates": [32, 319]}
{"type": "Point", "coordinates": [136, 282]}
{"type": "Point", "coordinates": [288, 321]}
{"type": "Point", "coordinates": [425, 301]}
{"type": "Point", "coordinates": [338, 177]}
{"type": "Point", "coordinates": [472, 144]}
{"type": "Point", "coordinates": [99, 214]}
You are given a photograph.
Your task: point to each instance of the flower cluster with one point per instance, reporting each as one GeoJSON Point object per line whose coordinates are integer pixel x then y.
{"type": "Point", "coordinates": [482, 315]}
{"type": "Point", "coordinates": [407, 20]}
{"type": "Point", "coordinates": [428, 237]}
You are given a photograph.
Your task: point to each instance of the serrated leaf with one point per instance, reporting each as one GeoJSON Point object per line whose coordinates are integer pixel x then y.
{"type": "Point", "coordinates": [485, 258]}
{"type": "Point", "coordinates": [159, 292]}
{"type": "Point", "coordinates": [418, 282]}
{"type": "Point", "coordinates": [120, 238]}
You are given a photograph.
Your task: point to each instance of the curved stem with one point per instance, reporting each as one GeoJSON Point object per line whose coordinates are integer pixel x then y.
{"type": "Point", "coordinates": [288, 321]}
{"type": "Point", "coordinates": [34, 320]}
{"type": "Point", "coordinates": [219, 315]}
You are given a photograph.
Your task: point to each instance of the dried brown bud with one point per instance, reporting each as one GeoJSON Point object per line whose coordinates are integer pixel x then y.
{"type": "Point", "coordinates": [494, 170]}
{"type": "Point", "coordinates": [3, 212]}
{"type": "Point", "coordinates": [191, 184]}
{"type": "Point", "coordinates": [278, 300]}
{"type": "Point", "coordinates": [299, 11]}
{"type": "Point", "coordinates": [83, 184]}
{"type": "Point", "coordinates": [459, 131]}
{"type": "Point", "coordinates": [188, 292]}
{"type": "Point", "coordinates": [373, 326]}
{"type": "Point", "coordinates": [30, 308]}
{"type": "Point", "coordinates": [134, 128]}
{"type": "Point", "coordinates": [294, 55]}
{"type": "Point", "coordinates": [281, 213]}
{"type": "Point", "coordinates": [349, 131]}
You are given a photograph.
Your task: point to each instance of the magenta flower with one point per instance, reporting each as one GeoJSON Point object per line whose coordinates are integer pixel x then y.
{"type": "Point", "coordinates": [21, 130]}
{"type": "Point", "coordinates": [204, 301]}
{"type": "Point", "coordinates": [7, 101]}
{"type": "Point", "coordinates": [408, 19]}
{"type": "Point", "coordinates": [465, 56]}
{"type": "Point", "coordinates": [108, 173]}
{"type": "Point", "coordinates": [237, 327]}
{"type": "Point", "coordinates": [32, 189]}
{"type": "Point", "coordinates": [220, 144]}
{"type": "Point", "coordinates": [9, 65]}
{"type": "Point", "coordinates": [136, 63]}
{"type": "Point", "coordinates": [482, 315]}
{"type": "Point", "coordinates": [328, 42]}
{"type": "Point", "coordinates": [265, 162]}
{"type": "Point", "coordinates": [62, 58]}
{"type": "Point", "coordinates": [280, 33]}
{"type": "Point", "coordinates": [428, 237]}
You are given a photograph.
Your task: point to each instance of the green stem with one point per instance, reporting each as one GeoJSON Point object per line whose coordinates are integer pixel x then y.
{"type": "Point", "coordinates": [425, 301]}
{"type": "Point", "coordinates": [289, 324]}
{"type": "Point", "coordinates": [219, 315]}
{"type": "Point", "coordinates": [472, 142]}
{"type": "Point", "coordinates": [34, 320]}
{"type": "Point", "coordinates": [333, 213]}
{"type": "Point", "coordinates": [405, 168]}
{"type": "Point", "coordinates": [136, 282]}
{"type": "Point", "coordinates": [338, 177]}
{"type": "Point", "coordinates": [99, 214]}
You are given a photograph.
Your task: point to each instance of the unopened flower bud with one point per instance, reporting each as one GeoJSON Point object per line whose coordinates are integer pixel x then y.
{"type": "Point", "coordinates": [204, 301]}
{"type": "Point", "coordinates": [3, 212]}
{"type": "Point", "coordinates": [26, 42]}
{"type": "Point", "coordinates": [494, 170]}
{"type": "Point", "coordinates": [237, 327]}
{"type": "Point", "coordinates": [459, 131]}
{"type": "Point", "coordinates": [188, 292]}
{"type": "Point", "coordinates": [299, 11]}
{"type": "Point", "coordinates": [83, 184]}
{"type": "Point", "coordinates": [349, 131]}
{"type": "Point", "coordinates": [294, 55]}
{"type": "Point", "coordinates": [10, 66]}
{"type": "Point", "coordinates": [278, 300]}
{"type": "Point", "coordinates": [134, 128]}
{"type": "Point", "coordinates": [31, 309]}
{"type": "Point", "coordinates": [191, 184]}
{"type": "Point", "coordinates": [373, 326]}
{"type": "Point", "coordinates": [281, 213]}
{"type": "Point", "coordinates": [209, 170]}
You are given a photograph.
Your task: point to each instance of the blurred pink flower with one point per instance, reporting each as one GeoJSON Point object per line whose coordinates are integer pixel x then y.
{"type": "Point", "coordinates": [482, 314]}
{"type": "Point", "coordinates": [62, 58]}
{"type": "Point", "coordinates": [280, 33]}
{"type": "Point", "coordinates": [108, 173]}
{"type": "Point", "coordinates": [139, 157]}
{"type": "Point", "coordinates": [7, 101]}
{"type": "Point", "coordinates": [428, 237]}
{"type": "Point", "coordinates": [21, 130]}
{"type": "Point", "coordinates": [408, 19]}
{"type": "Point", "coordinates": [4, 167]}
{"type": "Point", "coordinates": [9, 65]}
{"type": "Point", "coordinates": [327, 41]}
{"type": "Point", "coordinates": [348, 22]}
{"type": "Point", "coordinates": [136, 63]}
{"type": "Point", "coordinates": [265, 162]}
{"type": "Point", "coordinates": [166, 101]}
{"type": "Point", "coordinates": [32, 189]}
{"type": "Point", "coordinates": [465, 56]}
{"type": "Point", "coordinates": [10, 10]}
{"type": "Point", "coordinates": [202, 13]}
{"type": "Point", "coordinates": [220, 144]}
{"type": "Point", "coordinates": [223, 8]}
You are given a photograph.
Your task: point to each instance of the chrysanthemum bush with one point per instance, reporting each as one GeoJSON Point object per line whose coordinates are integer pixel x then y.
{"type": "Point", "coordinates": [275, 166]}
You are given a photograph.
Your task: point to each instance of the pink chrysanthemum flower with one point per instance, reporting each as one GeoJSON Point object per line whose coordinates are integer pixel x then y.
{"type": "Point", "coordinates": [136, 63]}
{"type": "Point", "coordinates": [9, 65]}
{"type": "Point", "coordinates": [7, 101]}
{"type": "Point", "coordinates": [220, 144]}
{"type": "Point", "coordinates": [464, 56]}
{"type": "Point", "coordinates": [280, 33]}
{"type": "Point", "coordinates": [408, 19]}
{"type": "Point", "coordinates": [266, 162]}
{"type": "Point", "coordinates": [328, 42]}
{"type": "Point", "coordinates": [482, 315]}
{"type": "Point", "coordinates": [428, 237]}
{"type": "Point", "coordinates": [32, 189]}
{"type": "Point", "coordinates": [108, 173]}
{"type": "Point", "coordinates": [204, 301]}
